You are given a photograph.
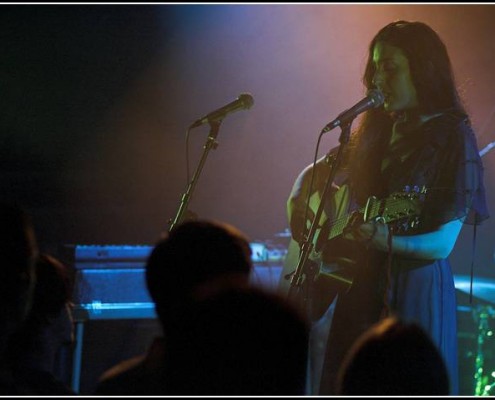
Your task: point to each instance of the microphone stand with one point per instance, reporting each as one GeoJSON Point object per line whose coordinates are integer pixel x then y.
{"type": "Point", "coordinates": [296, 283]}
{"type": "Point", "coordinates": [211, 143]}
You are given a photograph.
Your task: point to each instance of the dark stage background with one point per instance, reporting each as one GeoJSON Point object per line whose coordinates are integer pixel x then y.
{"type": "Point", "coordinates": [96, 99]}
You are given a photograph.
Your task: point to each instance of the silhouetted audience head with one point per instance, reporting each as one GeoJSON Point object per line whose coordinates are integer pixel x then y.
{"type": "Point", "coordinates": [394, 358]}
{"type": "Point", "coordinates": [49, 323]}
{"type": "Point", "coordinates": [18, 251]}
{"type": "Point", "coordinates": [194, 252]}
{"type": "Point", "coordinates": [237, 341]}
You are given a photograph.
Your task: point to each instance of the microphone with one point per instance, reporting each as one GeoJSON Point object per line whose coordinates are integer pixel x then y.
{"type": "Point", "coordinates": [373, 99]}
{"type": "Point", "coordinates": [244, 101]}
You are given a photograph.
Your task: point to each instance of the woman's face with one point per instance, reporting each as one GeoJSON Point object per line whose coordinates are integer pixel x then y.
{"type": "Point", "coordinates": [393, 78]}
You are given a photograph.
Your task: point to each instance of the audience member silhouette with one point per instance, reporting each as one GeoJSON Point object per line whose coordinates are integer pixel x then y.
{"type": "Point", "coordinates": [193, 253]}
{"type": "Point", "coordinates": [238, 341]}
{"type": "Point", "coordinates": [394, 358]}
{"type": "Point", "coordinates": [49, 326]}
{"type": "Point", "coordinates": [18, 251]}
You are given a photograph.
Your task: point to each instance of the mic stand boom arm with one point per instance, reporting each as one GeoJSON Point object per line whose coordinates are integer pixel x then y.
{"type": "Point", "coordinates": [211, 142]}
{"type": "Point", "coordinates": [296, 283]}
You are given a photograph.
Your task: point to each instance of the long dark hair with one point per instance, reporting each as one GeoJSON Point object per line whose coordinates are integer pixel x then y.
{"type": "Point", "coordinates": [433, 79]}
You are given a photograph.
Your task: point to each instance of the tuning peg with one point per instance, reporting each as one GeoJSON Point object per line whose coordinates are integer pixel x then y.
{"type": "Point", "coordinates": [414, 223]}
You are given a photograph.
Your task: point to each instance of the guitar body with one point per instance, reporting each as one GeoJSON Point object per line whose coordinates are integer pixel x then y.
{"type": "Point", "coordinates": [324, 287]}
{"type": "Point", "coordinates": [324, 279]}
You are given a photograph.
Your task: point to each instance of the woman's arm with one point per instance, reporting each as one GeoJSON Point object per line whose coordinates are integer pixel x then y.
{"type": "Point", "coordinates": [427, 246]}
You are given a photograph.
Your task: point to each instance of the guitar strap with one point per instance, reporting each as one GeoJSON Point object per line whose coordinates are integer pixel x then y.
{"type": "Point", "coordinates": [388, 276]}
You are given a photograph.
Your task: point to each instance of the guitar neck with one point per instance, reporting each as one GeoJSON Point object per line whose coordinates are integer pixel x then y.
{"type": "Point", "coordinates": [338, 227]}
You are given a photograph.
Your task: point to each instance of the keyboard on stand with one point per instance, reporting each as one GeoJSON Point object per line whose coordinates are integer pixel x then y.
{"type": "Point", "coordinates": [110, 279]}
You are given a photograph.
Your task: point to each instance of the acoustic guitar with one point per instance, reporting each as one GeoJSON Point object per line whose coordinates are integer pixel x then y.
{"type": "Point", "coordinates": [400, 209]}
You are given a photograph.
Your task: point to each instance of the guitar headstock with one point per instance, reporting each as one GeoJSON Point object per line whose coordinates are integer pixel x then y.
{"type": "Point", "coordinates": [415, 189]}
{"type": "Point", "coordinates": [415, 193]}
{"type": "Point", "coordinates": [403, 208]}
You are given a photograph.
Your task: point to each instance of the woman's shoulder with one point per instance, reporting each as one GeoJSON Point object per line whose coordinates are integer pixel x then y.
{"type": "Point", "coordinates": [448, 119]}
{"type": "Point", "coordinates": [322, 164]}
{"type": "Point", "coordinates": [316, 174]}
{"type": "Point", "coordinates": [448, 128]}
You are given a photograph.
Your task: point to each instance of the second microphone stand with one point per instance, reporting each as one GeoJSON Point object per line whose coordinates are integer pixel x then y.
{"type": "Point", "coordinates": [211, 143]}
{"type": "Point", "coordinates": [301, 284]}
